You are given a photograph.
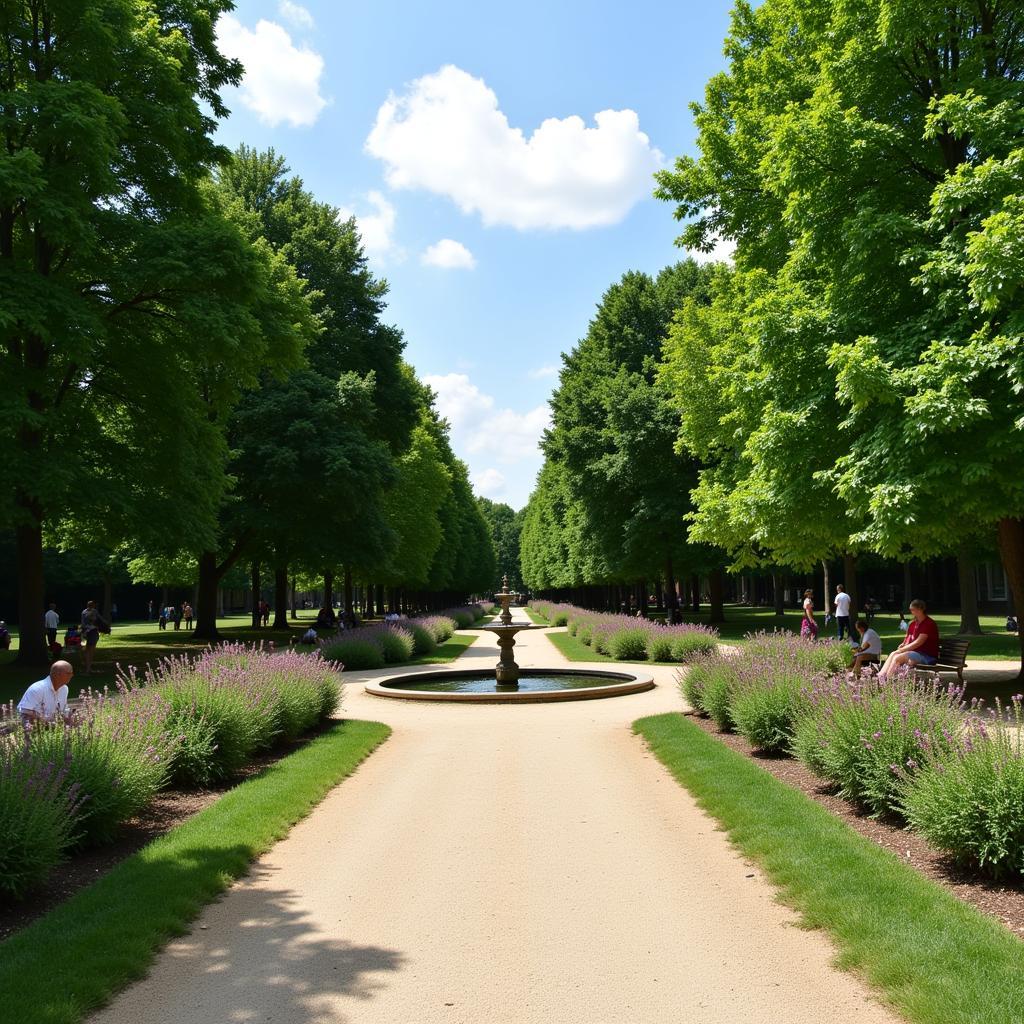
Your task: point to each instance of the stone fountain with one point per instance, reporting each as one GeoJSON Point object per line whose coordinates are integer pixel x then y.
{"type": "Point", "coordinates": [506, 672]}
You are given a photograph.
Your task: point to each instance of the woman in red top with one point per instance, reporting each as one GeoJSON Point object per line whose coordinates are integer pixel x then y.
{"type": "Point", "coordinates": [921, 646]}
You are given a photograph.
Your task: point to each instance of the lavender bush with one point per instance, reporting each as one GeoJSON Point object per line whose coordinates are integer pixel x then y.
{"type": "Point", "coordinates": [117, 753]}
{"type": "Point", "coordinates": [968, 796]}
{"type": "Point", "coordinates": [38, 816]}
{"type": "Point", "coordinates": [396, 643]}
{"type": "Point", "coordinates": [866, 735]}
{"type": "Point", "coordinates": [442, 627]}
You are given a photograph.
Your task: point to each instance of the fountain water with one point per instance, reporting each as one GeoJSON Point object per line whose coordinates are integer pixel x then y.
{"type": "Point", "coordinates": [508, 684]}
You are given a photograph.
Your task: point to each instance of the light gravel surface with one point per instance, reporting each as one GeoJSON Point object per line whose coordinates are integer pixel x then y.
{"type": "Point", "coordinates": [502, 864]}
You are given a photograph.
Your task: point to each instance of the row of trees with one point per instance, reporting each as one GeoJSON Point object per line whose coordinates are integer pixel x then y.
{"type": "Point", "coordinates": [854, 382]}
{"type": "Point", "coordinates": [194, 361]}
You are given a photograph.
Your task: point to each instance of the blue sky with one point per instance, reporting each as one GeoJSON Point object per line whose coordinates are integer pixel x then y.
{"type": "Point", "coordinates": [463, 137]}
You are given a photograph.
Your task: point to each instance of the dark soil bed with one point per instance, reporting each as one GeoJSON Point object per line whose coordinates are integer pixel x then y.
{"type": "Point", "coordinates": [1002, 900]}
{"type": "Point", "coordinates": [84, 867]}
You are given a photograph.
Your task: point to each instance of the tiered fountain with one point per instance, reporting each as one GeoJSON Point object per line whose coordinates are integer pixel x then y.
{"type": "Point", "coordinates": [507, 684]}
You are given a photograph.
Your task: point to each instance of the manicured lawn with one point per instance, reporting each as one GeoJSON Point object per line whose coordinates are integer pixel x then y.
{"type": "Point", "coordinates": [535, 617]}
{"type": "Point", "coordinates": [77, 957]}
{"type": "Point", "coordinates": [448, 651]}
{"type": "Point", "coordinates": [937, 960]}
{"type": "Point", "coordinates": [139, 643]}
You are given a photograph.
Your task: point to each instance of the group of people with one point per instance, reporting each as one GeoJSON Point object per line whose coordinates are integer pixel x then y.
{"type": "Point", "coordinates": [920, 644]}
{"type": "Point", "coordinates": [83, 635]}
{"type": "Point", "coordinates": [175, 615]}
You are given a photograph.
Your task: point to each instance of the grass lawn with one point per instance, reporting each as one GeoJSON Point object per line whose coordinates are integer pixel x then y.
{"type": "Point", "coordinates": [935, 959]}
{"type": "Point", "coordinates": [75, 958]}
{"type": "Point", "coordinates": [139, 643]}
{"type": "Point", "coordinates": [448, 651]}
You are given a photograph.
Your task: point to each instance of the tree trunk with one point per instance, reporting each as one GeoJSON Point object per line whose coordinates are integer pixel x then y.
{"type": "Point", "coordinates": [827, 585]}
{"type": "Point", "coordinates": [644, 603]}
{"type": "Point", "coordinates": [671, 597]}
{"type": "Point", "coordinates": [257, 592]}
{"type": "Point", "coordinates": [107, 605]}
{"type": "Point", "coordinates": [778, 593]}
{"type": "Point", "coordinates": [1011, 550]}
{"type": "Point", "coordinates": [206, 605]}
{"type": "Point", "coordinates": [717, 588]}
{"type": "Point", "coordinates": [850, 583]}
{"type": "Point", "coordinates": [329, 589]}
{"type": "Point", "coordinates": [31, 596]}
{"type": "Point", "coordinates": [348, 590]}
{"type": "Point", "coordinates": [280, 597]}
{"type": "Point", "coordinates": [970, 625]}
{"type": "Point", "coordinates": [291, 594]}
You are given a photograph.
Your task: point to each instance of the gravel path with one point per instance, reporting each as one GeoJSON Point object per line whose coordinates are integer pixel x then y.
{"type": "Point", "coordinates": [502, 864]}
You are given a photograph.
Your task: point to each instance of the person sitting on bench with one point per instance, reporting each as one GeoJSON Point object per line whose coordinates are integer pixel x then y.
{"type": "Point", "coordinates": [869, 651]}
{"type": "Point", "coordinates": [921, 646]}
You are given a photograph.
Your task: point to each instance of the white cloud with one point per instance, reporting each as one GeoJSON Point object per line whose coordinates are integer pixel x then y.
{"type": "Point", "coordinates": [544, 371]}
{"type": "Point", "coordinates": [479, 427]}
{"type": "Point", "coordinates": [295, 14]}
{"type": "Point", "coordinates": [377, 228]}
{"type": "Point", "coordinates": [489, 482]}
{"type": "Point", "coordinates": [723, 251]}
{"type": "Point", "coordinates": [281, 81]}
{"type": "Point", "coordinates": [447, 135]}
{"type": "Point", "coordinates": [449, 255]}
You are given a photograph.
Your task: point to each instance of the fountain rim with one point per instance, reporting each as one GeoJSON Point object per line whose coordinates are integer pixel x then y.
{"type": "Point", "coordinates": [629, 682]}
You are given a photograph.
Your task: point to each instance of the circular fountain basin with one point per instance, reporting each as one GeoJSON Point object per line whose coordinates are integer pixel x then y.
{"type": "Point", "coordinates": [478, 686]}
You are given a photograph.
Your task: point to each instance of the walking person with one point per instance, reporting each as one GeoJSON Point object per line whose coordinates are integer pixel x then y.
{"type": "Point", "coordinates": [163, 618]}
{"type": "Point", "coordinates": [92, 625]}
{"type": "Point", "coordinates": [149, 612]}
{"type": "Point", "coordinates": [842, 606]}
{"type": "Point", "coordinates": [176, 615]}
{"type": "Point", "coordinates": [186, 611]}
{"type": "Point", "coordinates": [809, 625]}
{"type": "Point", "coordinates": [51, 621]}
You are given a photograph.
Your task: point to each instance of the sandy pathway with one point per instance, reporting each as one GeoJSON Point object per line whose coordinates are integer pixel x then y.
{"type": "Point", "coordinates": [501, 864]}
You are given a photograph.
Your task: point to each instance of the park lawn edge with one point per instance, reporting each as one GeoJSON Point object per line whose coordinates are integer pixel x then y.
{"type": "Point", "coordinates": [932, 957]}
{"type": "Point", "coordinates": [74, 959]}
{"type": "Point", "coordinates": [574, 649]}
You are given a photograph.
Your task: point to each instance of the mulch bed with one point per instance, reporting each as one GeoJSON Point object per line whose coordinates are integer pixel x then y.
{"type": "Point", "coordinates": [168, 810]}
{"type": "Point", "coordinates": [1002, 900]}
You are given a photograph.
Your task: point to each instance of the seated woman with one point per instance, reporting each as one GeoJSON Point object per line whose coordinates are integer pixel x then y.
{"type": "Point", "coordinates": [869, 651]}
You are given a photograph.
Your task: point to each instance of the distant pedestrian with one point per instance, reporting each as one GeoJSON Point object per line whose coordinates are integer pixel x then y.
{"type": "Point", "coordinates": [162, 623]}
{"type": "Point", "coordinates": [113, 612]}
{"type": "Point", "coordinates": [176, 615]}
{"type": "Point", "coordinates": [149, 612]}
{"type": "Point", "coordinates": [809, 625]}
{"type": "Point", "coordinates": [92, 625]}
{"type": "Point", "coordinates": [51, 620]}
{"type": "Point", "coordinates": [265, 609]}
{"type": "Point", "coordinates": [186, 612]}
{"type": "Point", "coordinates": [842, 605]}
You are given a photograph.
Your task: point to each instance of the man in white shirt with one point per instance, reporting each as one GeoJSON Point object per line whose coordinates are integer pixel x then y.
{"type": "Point", "coordinates": [869, 652]}
{"type": "Point", "coordinates": [48, 698]}
{"type": "Point", "coordinates": [842, 605]}
{"type": "Point", "coordinates": [51, 620]}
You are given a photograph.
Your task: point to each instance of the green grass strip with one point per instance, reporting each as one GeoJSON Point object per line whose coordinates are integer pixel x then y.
{"type": "Point", "coordinates": [935, 959]}
{"type": "Point", "coordinates": [74, 959]}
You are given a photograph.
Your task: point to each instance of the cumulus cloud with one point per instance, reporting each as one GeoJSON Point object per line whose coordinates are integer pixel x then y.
{"type": "Point", "coordinates": [295, 14]}
{"type": "Point", "coordinates": [447, 135]}
{"type": "Point", "coordinates": [376, 227]}
{"type": "Point", "coordinates": [282, 81]}
{"type": "Point", "coordinates": [481, 428]}
{"type": "Point", "coordinates": [489, 482]}
{"type": "Point", "coordinates": [722, 252]}
{"type": "Point", "coordinates": [449, 255]}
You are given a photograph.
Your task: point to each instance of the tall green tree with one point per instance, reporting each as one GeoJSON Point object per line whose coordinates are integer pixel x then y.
{"type": "Point", "coordinates": [120, 283]}
{"type": "Point", "coordinates": [505, 525]}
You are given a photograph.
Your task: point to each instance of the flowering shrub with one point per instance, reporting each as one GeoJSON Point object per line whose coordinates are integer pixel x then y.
{"type": "Point", "coordinates": [352, 651]}
{"type": "Point", "coordinates": [396, 643]}
{"type": "Point", "coordinates": [867, 735]}
{"type": "Point", "coordinates": [423, 641]}
{"type": "Point", "coordinates": [38, 815]}
{"type": "Point", "coordinates": [442, 627]}
{"type": "Point", "coordinates": [466, 616]}
{"type": "Point", "coordinates": [117, 754]}
{"type": "Point", "coordinates": [968, 797]}
{"type": "Point", "coordinates": [690, 641]}
{"type": "Point", "coordinates": [557, 614]}
{"type": "Point", "coordinates": [628, 644]}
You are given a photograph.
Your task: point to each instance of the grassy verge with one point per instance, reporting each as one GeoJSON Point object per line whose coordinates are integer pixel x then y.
{"type": "Point", "coordinates": [576, 650]}
{"type": "Point", "coordinates": [935, 959]}
{"type": "Point", "coordinates": [443, 653]}
{"type": "Point", "coordinates": [536, 617]}
{"type": "Point", "coordinates": [77, 957]}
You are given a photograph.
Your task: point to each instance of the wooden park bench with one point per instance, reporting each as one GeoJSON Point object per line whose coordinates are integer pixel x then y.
{"type": "Point", "coordinates": [952, 658]}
